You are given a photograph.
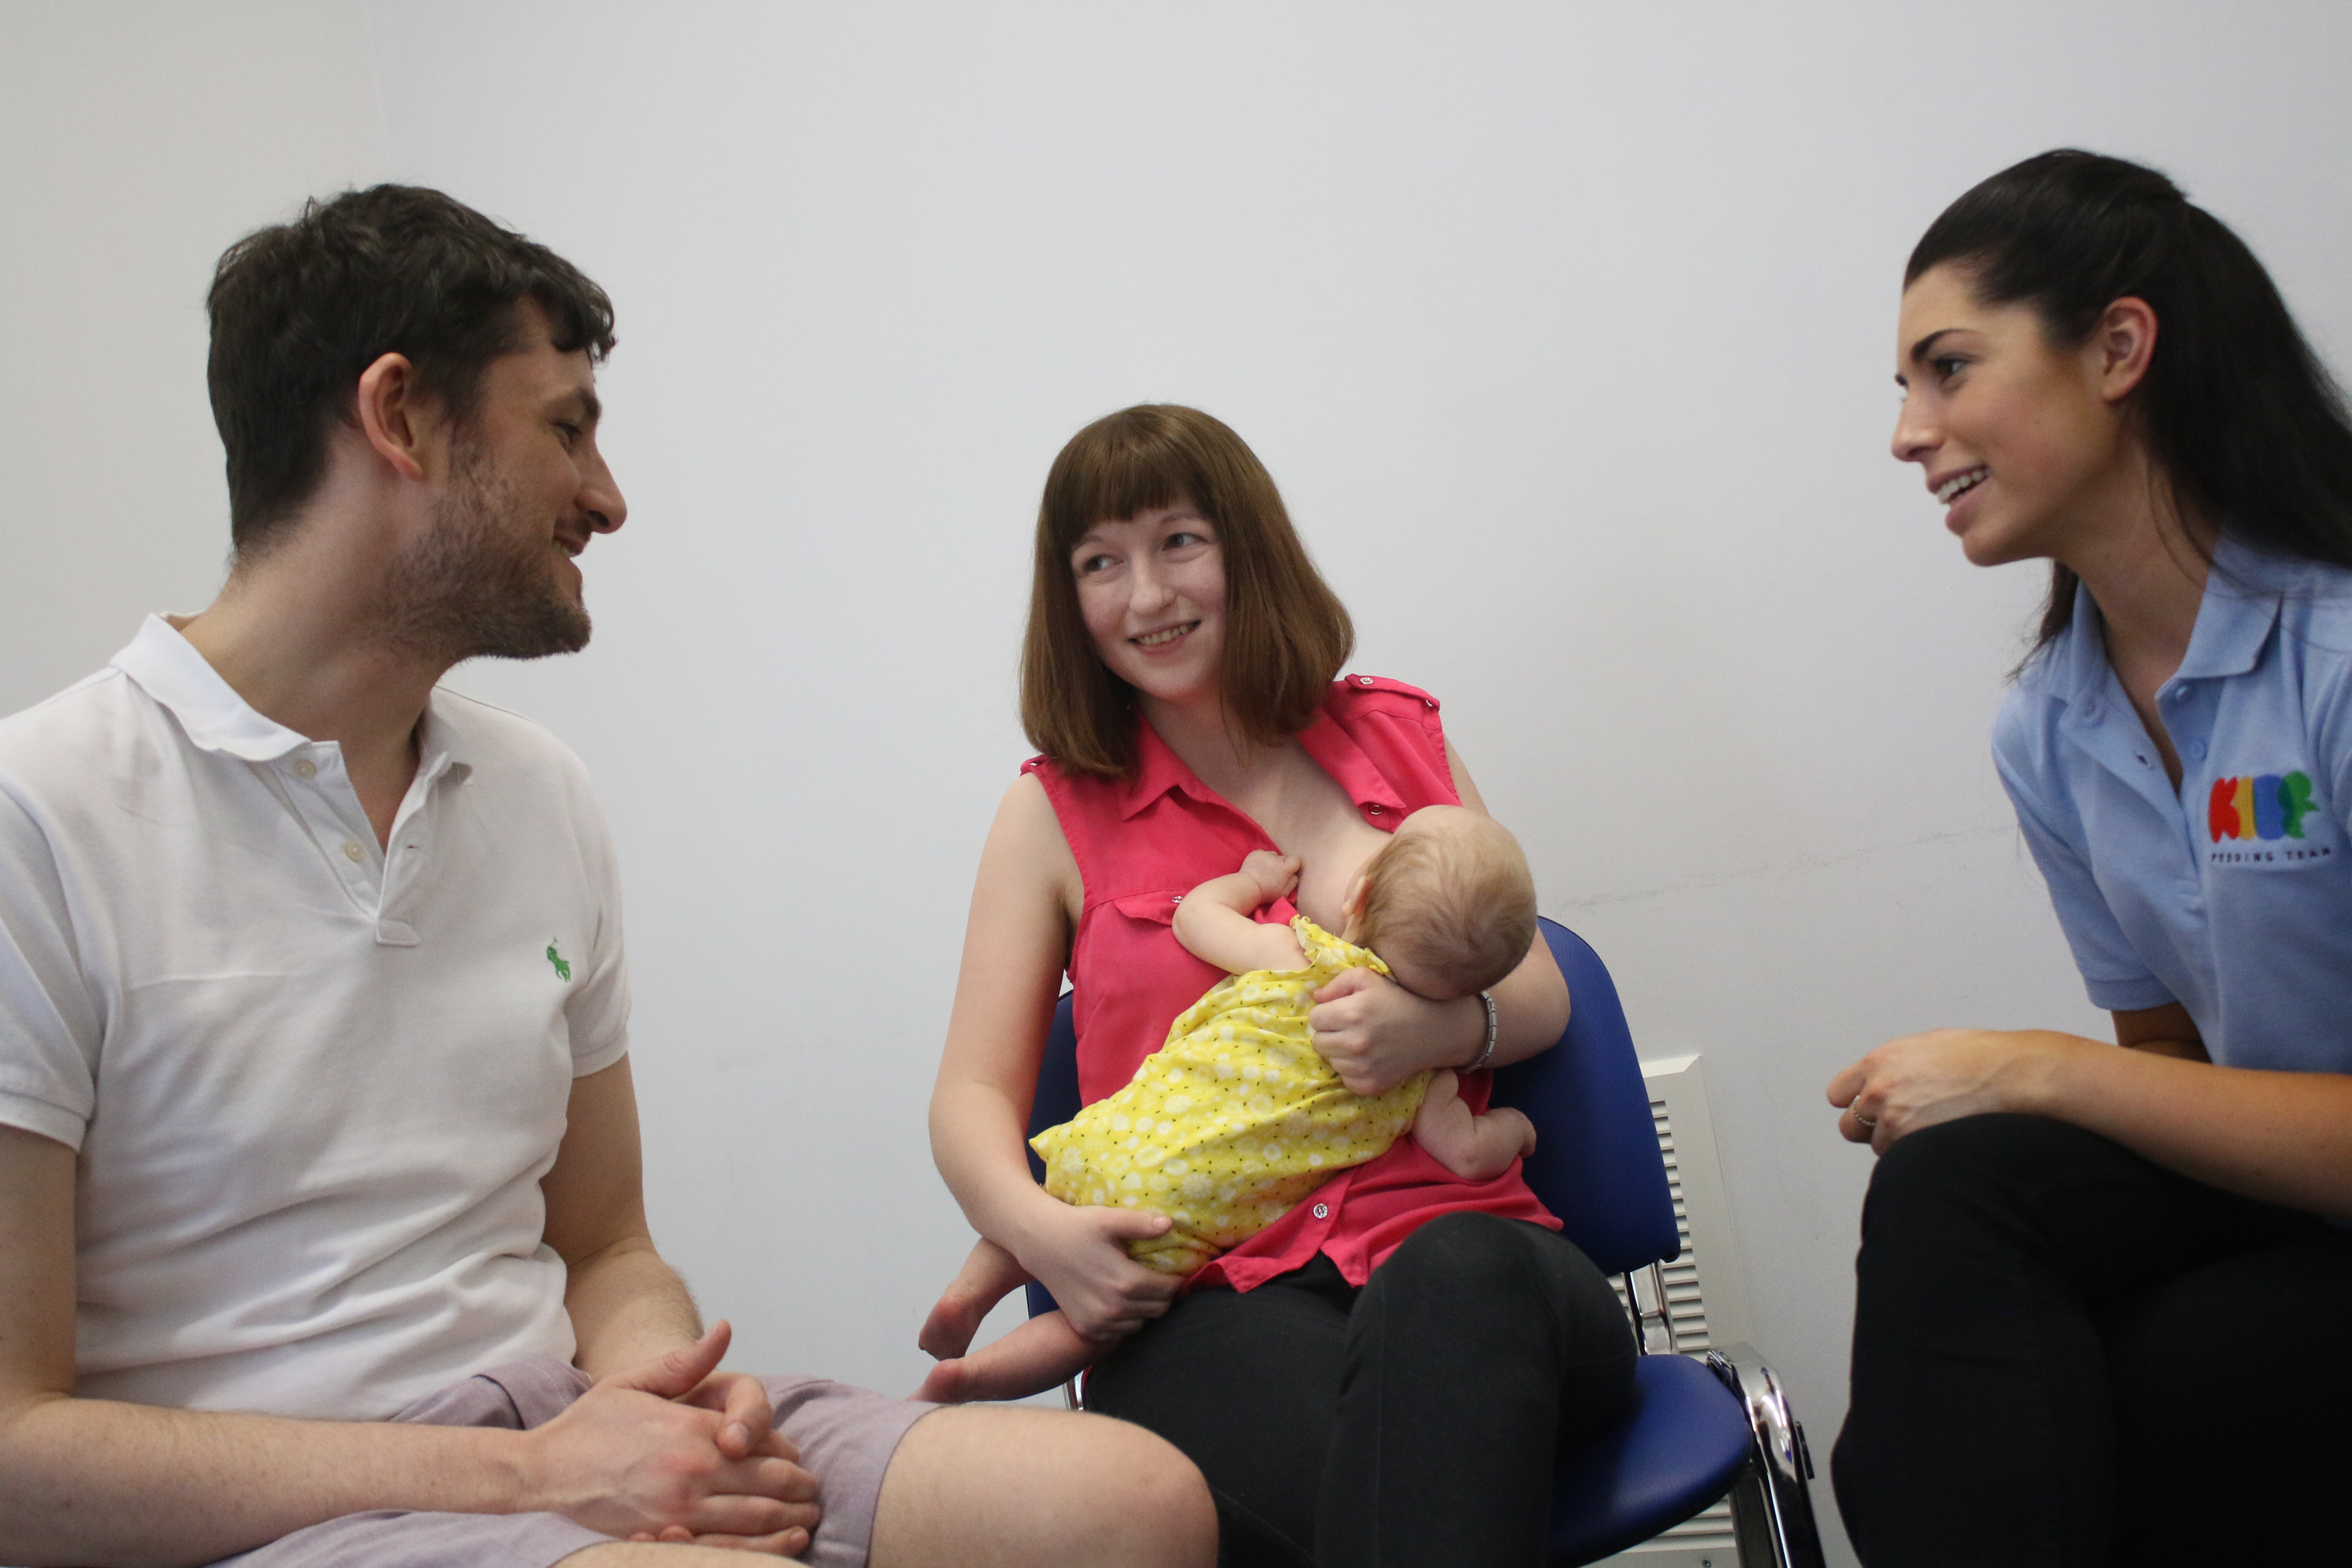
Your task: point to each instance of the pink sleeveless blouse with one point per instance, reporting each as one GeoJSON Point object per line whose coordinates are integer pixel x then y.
{"type": "Point", "coordinates": [1141, 842]}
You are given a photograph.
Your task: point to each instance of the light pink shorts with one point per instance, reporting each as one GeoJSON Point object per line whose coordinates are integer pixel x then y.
{"type": "Point", "coordinates": [846, 1436]}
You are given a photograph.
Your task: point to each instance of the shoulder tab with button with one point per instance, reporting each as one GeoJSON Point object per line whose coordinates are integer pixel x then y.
{"type": "Point", "coordinates": [1381, 683]}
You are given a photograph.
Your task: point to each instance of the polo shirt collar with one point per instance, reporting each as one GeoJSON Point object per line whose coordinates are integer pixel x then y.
{"type": "Point", "coordinates": [2241, 605]}
{"type": "Point", "coordinates": [1158, 769]}
{"type": "Point", "coordinates": [2078, 665]}
{"type": "Point", "coordinates": [2233, 621]}
{"type": "Point", "coordinates": [166, 667]}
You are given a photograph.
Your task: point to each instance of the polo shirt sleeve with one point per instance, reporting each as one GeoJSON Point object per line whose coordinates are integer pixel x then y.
{"type": "Point", "coordinates": [49, 1026]}
{"type": "Point", "coordinates": [2112, 971]}
{"type": "Point", "coordinates": [2328, 693]}
{"type": "Point", "coordinates": [596, 1008]}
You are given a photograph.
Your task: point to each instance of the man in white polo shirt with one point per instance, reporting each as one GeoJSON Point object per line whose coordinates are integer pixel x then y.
{"type": "Point", "coordinates": [321, 1232]}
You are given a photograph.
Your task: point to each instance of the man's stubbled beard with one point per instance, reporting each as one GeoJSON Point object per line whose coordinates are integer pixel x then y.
{"type": "Point", "coordinates": [481, 584]}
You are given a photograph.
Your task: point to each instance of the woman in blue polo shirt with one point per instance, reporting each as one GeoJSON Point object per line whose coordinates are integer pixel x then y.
{"type": "Point", "coordinates": [2104, 1305]}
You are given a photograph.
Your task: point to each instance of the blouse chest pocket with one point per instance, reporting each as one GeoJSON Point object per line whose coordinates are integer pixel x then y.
{"type": "Point", "coordinates": [1158, 909]}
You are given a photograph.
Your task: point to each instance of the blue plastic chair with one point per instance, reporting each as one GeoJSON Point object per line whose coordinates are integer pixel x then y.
{"type": "Point", "coordinates": [1697, 1430]}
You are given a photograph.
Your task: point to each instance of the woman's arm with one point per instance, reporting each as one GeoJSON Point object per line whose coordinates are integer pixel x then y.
{"type": "Point", "coordinates": [2281, 1137]}
{"type": "Point", "coordinates": [1024, 906]}
{"type": "Point", "coordinates": [1376, 1034]}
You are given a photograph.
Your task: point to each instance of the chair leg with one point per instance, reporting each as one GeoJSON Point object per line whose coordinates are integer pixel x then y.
{"type": "Point", "coordinates": [1771, 1507]}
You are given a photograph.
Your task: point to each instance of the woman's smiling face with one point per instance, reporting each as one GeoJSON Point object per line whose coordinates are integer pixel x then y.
{"type": "Point", "coordinates": [2022, 442]}
{"type": "Point", "coordinates": [1151, 590]}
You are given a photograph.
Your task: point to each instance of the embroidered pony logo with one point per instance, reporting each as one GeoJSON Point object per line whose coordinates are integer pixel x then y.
{"type": "Point", "coordinates": [562, 969]}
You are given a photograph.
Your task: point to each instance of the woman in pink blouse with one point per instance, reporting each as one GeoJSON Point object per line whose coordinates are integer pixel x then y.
{"type": "Point", "coordinates": [1384, 1373]}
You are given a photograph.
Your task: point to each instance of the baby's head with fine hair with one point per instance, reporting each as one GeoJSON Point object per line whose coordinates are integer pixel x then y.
{"type": "Point", "coordinates": [1448, 902]}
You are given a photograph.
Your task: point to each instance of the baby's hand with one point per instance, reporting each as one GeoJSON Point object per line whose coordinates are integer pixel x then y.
{"type": "Point", "coordinates": [1275, 875]}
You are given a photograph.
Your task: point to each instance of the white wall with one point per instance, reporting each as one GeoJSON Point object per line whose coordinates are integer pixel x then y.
{"type": "Point", "coordinates": [137, 141]}
{"type": "Point", "coordinates": [1566, 328]}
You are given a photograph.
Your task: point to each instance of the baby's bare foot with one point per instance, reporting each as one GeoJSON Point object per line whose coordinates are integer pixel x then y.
{"type": "Point", "coordinates": [949, 1383]}
{"type": "Point", "coordinates": [988, 1276]}
{"type": "Point", "coordinates": [949, 1329]}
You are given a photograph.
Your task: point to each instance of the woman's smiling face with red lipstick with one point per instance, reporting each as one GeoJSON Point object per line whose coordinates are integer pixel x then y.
{"type": "Point", "coordinates": [1151, 588]}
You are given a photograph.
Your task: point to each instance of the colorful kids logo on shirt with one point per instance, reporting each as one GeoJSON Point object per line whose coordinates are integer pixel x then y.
{"type": "Point", "coordinates": [2268, 805]}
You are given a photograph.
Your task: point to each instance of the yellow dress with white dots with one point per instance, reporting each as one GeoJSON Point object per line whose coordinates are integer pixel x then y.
{"type": "Point", "coordinates": [1232, 1120]}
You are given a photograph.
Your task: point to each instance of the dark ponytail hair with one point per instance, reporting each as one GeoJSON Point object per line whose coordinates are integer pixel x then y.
{"type": "Point", "coordinates": [2239, 414]}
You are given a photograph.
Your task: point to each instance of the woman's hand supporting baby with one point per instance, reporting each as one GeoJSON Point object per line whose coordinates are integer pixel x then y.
{"type": "Point", "coordinates": [1376, 1034]}
{"type": "Point", "coordinates": [1080, 1255]}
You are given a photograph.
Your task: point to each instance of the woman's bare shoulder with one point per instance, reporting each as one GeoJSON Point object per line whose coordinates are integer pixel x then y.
{"type": "Point", "coordinates": [1027, 844]}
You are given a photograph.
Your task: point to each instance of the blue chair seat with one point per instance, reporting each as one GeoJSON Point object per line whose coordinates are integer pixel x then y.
{"type": "Point", "coordinates": [1682, 1445]}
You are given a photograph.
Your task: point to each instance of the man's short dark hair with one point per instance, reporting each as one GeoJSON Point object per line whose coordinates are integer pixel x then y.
{"type": "Point", "coordinates": [299, 310]}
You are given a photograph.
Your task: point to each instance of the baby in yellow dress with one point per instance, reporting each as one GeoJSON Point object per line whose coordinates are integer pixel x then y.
{"type": "Point", "coordinates": [1238, 1117]}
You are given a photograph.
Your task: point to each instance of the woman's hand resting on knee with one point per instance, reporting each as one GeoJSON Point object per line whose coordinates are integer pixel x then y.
{"type": "Point", "coordinates": [1945, 1074]}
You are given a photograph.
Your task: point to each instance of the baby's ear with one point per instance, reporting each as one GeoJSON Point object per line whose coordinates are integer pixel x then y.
{"type": "Point", "coordinates": [1353, 906]}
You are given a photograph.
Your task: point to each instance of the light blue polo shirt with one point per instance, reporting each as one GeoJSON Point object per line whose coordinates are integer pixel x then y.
{"type": "Point", "coordinates": [2233, 898]}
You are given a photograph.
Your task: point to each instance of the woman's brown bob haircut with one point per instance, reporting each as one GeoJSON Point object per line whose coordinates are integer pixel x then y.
{"type": "Point", "coordinates": [1286, 634]}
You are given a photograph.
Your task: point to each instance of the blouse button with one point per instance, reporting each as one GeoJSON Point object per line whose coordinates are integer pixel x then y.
{"type": "Point", "coordinates": [304, 768]}
{"type": "Point", "coordinates": [1363, 680]}
{"type": "Point", "coordinates": [1374, 809]}
{"type": "Point", "coordinates": [1177, 899]}
{"type": "Point", "coordinates": [1322, 1211]}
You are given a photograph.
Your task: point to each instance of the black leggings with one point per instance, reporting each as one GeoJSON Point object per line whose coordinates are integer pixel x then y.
{"type": "Point", "coordinates": [1411, 1424]}
{"type": "Point", "coordinates": [2063, 1353]}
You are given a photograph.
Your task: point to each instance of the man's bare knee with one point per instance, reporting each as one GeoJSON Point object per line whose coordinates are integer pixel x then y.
{"type": "Point", "coordinates": [978, 1486]}
{"type": "Point", "coordinates": [1153, 1495]}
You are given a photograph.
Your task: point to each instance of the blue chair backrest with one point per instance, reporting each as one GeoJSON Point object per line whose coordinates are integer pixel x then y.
{"type": "Point", "coordinates": [1057, 1102]}
{"type": "Point", "coordinates": [1596, 1164]}
{"type": "Point", "coordinates": [1057, 1080]}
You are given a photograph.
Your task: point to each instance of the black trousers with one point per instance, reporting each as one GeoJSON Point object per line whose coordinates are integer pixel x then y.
{"type": "Point", "coordinates": [2063, 1353]}
{"type": "Point", "coordinates": [1411, 1424]}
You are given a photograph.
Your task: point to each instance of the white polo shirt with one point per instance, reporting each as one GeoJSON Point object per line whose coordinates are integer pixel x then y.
{"type": "Point", "coordinates": [2232, 897]}
{"type": "Point", "coordinates": [314, 1085]}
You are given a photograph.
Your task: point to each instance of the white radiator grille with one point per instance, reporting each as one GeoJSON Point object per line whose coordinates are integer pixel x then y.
{"type": "Point", "coordinates": [1705, 1540]}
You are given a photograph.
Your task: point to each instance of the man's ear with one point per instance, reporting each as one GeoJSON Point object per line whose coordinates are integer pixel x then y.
{"type": "Point", "coordinates": [2123, 344]}
{"type": "Point", "coordinates": [396, 422]}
